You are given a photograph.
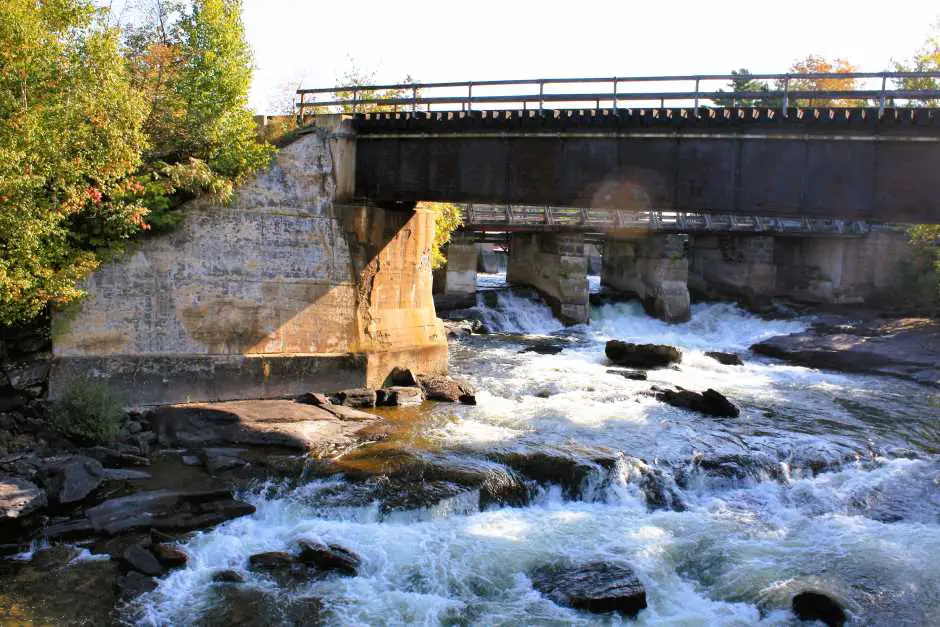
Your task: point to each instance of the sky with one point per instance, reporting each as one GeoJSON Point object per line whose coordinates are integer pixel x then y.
{"type": "Point", "coordinates": [314, 42]}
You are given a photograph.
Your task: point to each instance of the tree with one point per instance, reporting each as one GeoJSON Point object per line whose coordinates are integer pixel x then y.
{"type": "Point", "coordinates": [356, 77]}
{"type": "Point", "coordinates": [70, 135]}
{"type": "Point", "coordinates": [925, 59]}
{"type": "Point", "coordinates": [742, 83]}
{"type": "Point", "coordinates": [448, 218]}
{"type": "Point", "coordinates": [816, 64]}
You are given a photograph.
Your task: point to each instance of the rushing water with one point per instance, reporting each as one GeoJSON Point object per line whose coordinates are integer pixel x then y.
{"type": "Point", "coordinates": [826, 481]}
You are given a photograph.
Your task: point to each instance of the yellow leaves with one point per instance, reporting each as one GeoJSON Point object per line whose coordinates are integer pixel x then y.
{"type": "Point", "coordinates": [448, 218]}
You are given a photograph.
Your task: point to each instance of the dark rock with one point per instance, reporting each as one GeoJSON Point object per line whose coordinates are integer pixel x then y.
{"type": "Point", "coordinates": [726, 359]}
{"type": "Point", "coordinates": [228, 576]}
{"type": "Point", "coordinates": [817, 606]}
{"type": "Point", "coordinates": [191, 460]}
{"type": "Point", "coordinates": [447, 389]}
{"type": "Point", "coordinates": [562, 468]}
{"type": "Point", "coordinates": [70, 479]}
{"type": "Point", "coordinates": [222, 459]}
{"type": "Point", "coordinates": [165, 510]}
{"type": "Point", "coordinates": [54, 557]}
{"type": "Point", "coordinates": [317, 400]}
{"type": "Point", "coordinates": [642, 355]}
{"type": "Point", "coordinates": [357, 398]}
{"type": "Point", "coordinates": [633, 375]}
{"type": "Point", "coordinates": [543, 349]}
{"type": "Point", "coordinates": [169, 556]}
{"type": "Point", "coordinates": [111, 457]}
{"type": "Point", "coordinates": [458, 328]}
{"type": "Point", "coordinates": [282, 423]}
{"type": "Point", "coordinates": [329, 557]}
{"type": "Point", "coordinates": [400, 396]}
{"type": "Point", "coordinates": [28, 373]}
{"type": "Point", "coordinates": [271, 560]}
{"type": "Point", "coordinates": [595, 587]}
{"type": "Point", "coordinates": [116, 546]}
{"type": "Point", "coordinates": [142, 560]}
{"type": "Point", "coordinates": [19, 497]}
{"type": "Point", "coordinates": [708, 402]}
{"type": "Point", "coordinates": [134, 584]}
{"type": "Point", "coordinates": [124, 474]}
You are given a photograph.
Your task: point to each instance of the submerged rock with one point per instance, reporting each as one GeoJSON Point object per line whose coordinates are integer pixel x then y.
{"type": "Point", "coordinates": [725, 359]}
{"type": "Point", "coordinates": [442, 388]}
{"type": "Point", "coordinates": [818, 606]}
{"type": "Point", "coordinates": [169, 556]}
{"type": "Point", "coordinates": [708, 402]}
{"type": "Point", "coordinates": [543, 349]}
{"type": "Point", "coordinates": [329, 557]}
{"type": "Point", "coordinates": [400, 396]}
{"type": "Point", "coordinates": [633, 375]}
{"type": "Point", "coordinates": [19, 497]}
{"type": "Point", "coordinates": [134, 584]}
{"type": "Point", "coordinates": [228, 576]}
{"type": "Point", "coordinates": [642, 355]}
{"type": "Point", "coordinates": [143, 561]}
{"type": "Point", "coordinates": [595, 587]}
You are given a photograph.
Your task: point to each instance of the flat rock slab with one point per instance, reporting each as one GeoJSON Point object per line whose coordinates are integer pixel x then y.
{"type": "Point", "coordinates": [905, 348]}
{"type": "Point", "coordinates": [595, 587]}
{"type": "Point", "coordinates": [19, 497]}
{"type": "Point", "coordinates": [322, 431]}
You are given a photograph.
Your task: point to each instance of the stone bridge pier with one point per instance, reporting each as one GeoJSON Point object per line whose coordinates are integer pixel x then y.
{"type": "Point", "coordinates": [555, 264]}
{"type": "Point", "coordinates": [736, 266]}
{"type": "Point", "coordinates": [455, 285]}
{"type": "Point", "coordinates": [655, 269]}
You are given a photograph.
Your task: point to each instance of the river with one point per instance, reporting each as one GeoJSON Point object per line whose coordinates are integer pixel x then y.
{"type": "Point", "coordinates": [826, 481]}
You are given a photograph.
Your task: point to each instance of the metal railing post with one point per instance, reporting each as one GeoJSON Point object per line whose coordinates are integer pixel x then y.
{"type": "Point", "coordinates": [615, 93]}
{"type": "Point", "coordinates": [541, 94]}
{"type": "Point", "coordinates": [300, 111]}
{"type": "Point", "coordinates": [696, 96]}
{"type": "Point", "coordinates": [881, 104]}
{"type": "Point", "coordinates": [414, 99]}
{"type": "Point", "coordinates": [469, 96]}
{"type": "Point", "coordinates": [786, 94]}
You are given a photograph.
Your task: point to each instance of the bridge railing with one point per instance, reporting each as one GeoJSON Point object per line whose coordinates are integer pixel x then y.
{"type": "Point", "coordinates": [879, 89]}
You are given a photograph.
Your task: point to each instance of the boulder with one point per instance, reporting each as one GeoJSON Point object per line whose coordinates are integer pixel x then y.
{"type": "Point", "coordinates": [138, 558]}
{"type": "Point", "coordinates": [169, 556]}
{"type": "Point", "coordinates": [222, 459]}
{"type": "Point", "coordinates": [811, 605]}
{"type": "Point", "coordinates": [228, 576]}
{"type": "Point", "coordinates": [322, 431]}
{"type": "Point", "coordinates": [447, 389]}
{"type": "Point", "coordinates": [642, 355]}
{"type": "Point", "coordinates": [19, 497]}
{"type": "Point", "coordinates": [284, 568]}
{"type": "Point", "coordinates": [271, 560]}
{"type": "Point", "coordinates": [543, 349]}
{"type": "Point", "coordinates": [134, 584]}
{"type": "Point", "coordinates": [708, 402]}
{"type": "Point", "coordinates": [595, 587]}
{"type": "Point", "coordinates": [725, 359]}
{"type": "Point", "coordinates": [633, 375]}
{"type": "Point", "coordinates": [117, 545]}
{"type": "Point", "coordinates": [72, 478]}
{"type": "Point", "coordinates": [329, 557]}
{"type": "Point", "coordinates": [400, 396]}
{"type": "Point", "coordinates": [54, 557]}
{"type": "Point", "coordinates": [357, 398]}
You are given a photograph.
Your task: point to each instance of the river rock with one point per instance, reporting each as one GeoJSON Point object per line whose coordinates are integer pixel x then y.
{"type": "Point", "coordinates": [329, 557]}
{"type": "Point", "coordinates": [905, 348]}
{"type": "Point", "coordinates": [142, 560]}
{"type": "Point", "coordinates": [400, 396]}
{"type": "Point", "coordinates": [322, 431]}
{"type": "Point", "coordinates": [228, 576]}
{"type": "Point", "coordinates": [818, 606]}
{"type": "Point", "coordinates": [19, 497]}
{"type": "Point", "coordinates": [642, 355]}
{"type": "Point", "coordinates": [357, 398]}
{"type": "Point", "coordinates": [134, 584]}
{"type": "Point", "coordinates": [447, 389]}
{"type": "Point", "coordinates": [708, 402]}
{"type": "Point", "coordinates": [633, 375]}
{"type": "Point", "coordinates": [70, 479]}
{"type": "Point", "coordinates": [169, 556]}
{"type": "Point", "coordinates": [725, 359]}
{"type": "Point", "coordinates": [595, 587]}
{"type": "Point", "coordinates": [270, 560]}
{"type": "Point", "coordinates": [543, 349]}
{"type": "Point", "coordinates": [55, 557]}
{"type": "Point", "coordinates": [221, 459]}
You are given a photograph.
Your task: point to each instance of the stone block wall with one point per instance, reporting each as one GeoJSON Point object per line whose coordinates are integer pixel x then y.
{"type": "Point", "coordinates": [455, 285]}
{"type": "Point", "coordinates": [284, 291]}
{"type": "Point", "coordinates": [555, 265]}
{"type": "Point", "coordinates": [736, 266]}
{"type": "Point", "coordinates": [655, 269]}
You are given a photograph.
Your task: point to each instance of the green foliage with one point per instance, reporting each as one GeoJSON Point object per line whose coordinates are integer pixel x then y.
{"type": "Point", "coordinates": [89, 412]}
{"type": "Point", "coordinates": [925, 59]}
{"type": "Point", "coordinates": [70, 132]}
{"type": "Point", "coordinates": [448, 218]}
{"type": "Point", "coordinates": [922, 273]}
{"type": "Point", "coordinates": [356, 77]}
{"type": "Point", "coordinates": [103, 135]}
{"type": "Point", "coordinates": [743, 83]}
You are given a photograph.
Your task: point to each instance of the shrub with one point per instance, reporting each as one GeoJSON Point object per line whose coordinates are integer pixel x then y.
{"type": "Point", "coordinates": [89, 412]}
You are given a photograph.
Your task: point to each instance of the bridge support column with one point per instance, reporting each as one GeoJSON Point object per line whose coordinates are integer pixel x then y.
{"type": "Point", "coordinates": [839, 269]}
{"type": "Point", "coordinates": [655, 269]}
{"type": "Point", "coordinates": [455, 285]}
{"type": "Point", "coordinates": [737, 266]}
{"type": "Point", "coordinates": [555, 265]}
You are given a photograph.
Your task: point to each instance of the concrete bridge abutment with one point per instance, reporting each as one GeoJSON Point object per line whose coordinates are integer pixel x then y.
{"type": "Point", "coordinates": [455, 285]}
{"type": "Point", "coordinates": [655, 269]}
{"type": "Point", "coordinates": [555, 264]}
{"type": "Point", "coordinates": [739, 266]}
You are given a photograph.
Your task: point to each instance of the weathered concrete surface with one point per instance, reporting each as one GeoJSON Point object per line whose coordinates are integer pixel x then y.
{"type": "Point", "coordinates": [737, 266]}
{"type": "Point", "coordinates": [283, 291]}
{"type": "Point", "coordinates": [555, 265]}
{"type": "Point", "coordinates": [455, 285]}
{"type": "Point", "coordinates": [655, 269]}
{"type": "Point", "coordinates": [839, 269]}
{"type": "Point", "coordinates": [907, 348]}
